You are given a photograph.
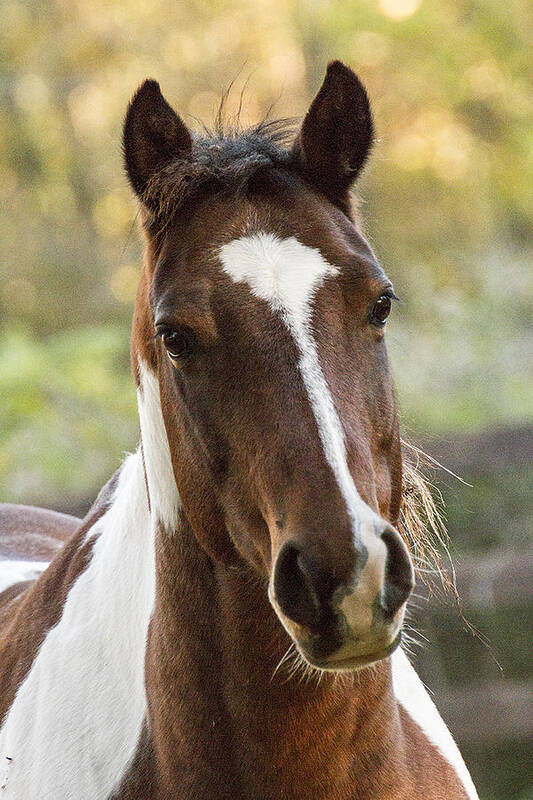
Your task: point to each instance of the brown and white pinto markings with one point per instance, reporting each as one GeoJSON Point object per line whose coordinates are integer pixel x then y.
{"type": "Point", "coordinates": [259, 512]}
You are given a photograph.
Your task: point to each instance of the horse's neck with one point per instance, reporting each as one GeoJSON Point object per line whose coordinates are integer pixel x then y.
{"type": "Point", "coordinates": [141, 613]}
{"type": "Point", "coordinates": [220, 713]}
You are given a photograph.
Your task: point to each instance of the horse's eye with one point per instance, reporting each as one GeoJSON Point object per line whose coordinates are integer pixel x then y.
{"type": "Point", "coordinates": [180, 344]}
{"type": "Point", "coordinates": [380, 310]}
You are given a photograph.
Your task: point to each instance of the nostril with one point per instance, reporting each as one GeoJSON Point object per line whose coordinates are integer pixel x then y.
{"type": "Point", "coordinates": [399, 576]}
{"type": "Point", "coordinates": [293, 590]}
{"type": "Point", "coordinates": [300, 588]}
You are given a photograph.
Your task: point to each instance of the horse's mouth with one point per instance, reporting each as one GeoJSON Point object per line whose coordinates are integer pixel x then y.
{"type": "Point", "coordinates": [354, 662]}
{"type": "Point", "coordinates": [337, 647]}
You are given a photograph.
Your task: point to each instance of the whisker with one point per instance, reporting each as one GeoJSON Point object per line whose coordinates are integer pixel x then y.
{"type": "Point", "coordinates": [282, 660]}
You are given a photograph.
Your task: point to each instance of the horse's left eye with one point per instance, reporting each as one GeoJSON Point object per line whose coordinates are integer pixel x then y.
{"type": "Point", "coordinates": [180, 344]}
{"type": "Point", "coordinates": [380, 310]}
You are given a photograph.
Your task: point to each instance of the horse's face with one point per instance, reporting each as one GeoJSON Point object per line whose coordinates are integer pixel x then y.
{"type": "Point", "coordinates": [261, 312]}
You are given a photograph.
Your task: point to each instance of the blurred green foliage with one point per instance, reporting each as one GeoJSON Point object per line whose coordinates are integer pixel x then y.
{"type": "Point", "coordinates": [446, 199]}
{"type": "Point", "coordinates": [68, 410]}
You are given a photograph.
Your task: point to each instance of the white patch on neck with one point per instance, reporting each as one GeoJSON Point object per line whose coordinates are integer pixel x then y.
{"type": "Point", "coordinates": [164, 498]}
{"type": "Point", "coordinates": [287, 274]}
{"type": "Point", "coordinates": [411, 694]}
{"type": "Point", "coordinates": [74, 725]}
{"type": "Point", "coordinates": [12, 572]}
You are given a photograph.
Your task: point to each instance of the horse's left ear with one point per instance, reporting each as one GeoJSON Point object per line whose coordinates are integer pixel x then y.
{"type": "Point", "coordinates": [336, 135]}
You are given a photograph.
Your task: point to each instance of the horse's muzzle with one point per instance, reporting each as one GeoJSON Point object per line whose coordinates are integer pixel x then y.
{"type": "Point", "coordinates": [337, 626]}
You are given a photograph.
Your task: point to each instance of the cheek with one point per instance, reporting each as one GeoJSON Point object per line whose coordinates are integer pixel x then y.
{"type": "Point", "coordinates": [250, 535]}
{"type": "Point", "coordinates": [387, 457]}
{"type": "Point", "coordinates": [244, 505]}
{"type": "Point", "coordinates": [394, 463]}
{"type": "Point", "coordinates": [195, 476]}
{"type": "Point", "coordinates": [383, 486]}
{"type": "Point", "coordinates": [209, 465]}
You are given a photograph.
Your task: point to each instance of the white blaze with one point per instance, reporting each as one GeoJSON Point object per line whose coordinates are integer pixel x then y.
{"type": "Point", "coordinates": [287, 274]}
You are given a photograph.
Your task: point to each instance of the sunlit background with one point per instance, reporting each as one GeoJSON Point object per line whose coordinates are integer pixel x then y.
{"type": "Point", "coordinates": [447, 203]}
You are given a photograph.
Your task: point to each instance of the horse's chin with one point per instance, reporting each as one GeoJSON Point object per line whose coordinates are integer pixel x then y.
{"type": "Point", "coordinates": [354, 662]}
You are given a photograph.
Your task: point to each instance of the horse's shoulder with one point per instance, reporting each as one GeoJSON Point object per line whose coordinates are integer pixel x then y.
{"type": "Point", "coordinates": [29, 533]}
{"type": "Point", "coordinates": [30, 538]}
{"type": "Point", "coordinates": [30, 608]}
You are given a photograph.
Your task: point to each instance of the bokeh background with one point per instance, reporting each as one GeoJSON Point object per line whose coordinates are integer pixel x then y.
{"type": "Point", "coordinates": [448, 206]}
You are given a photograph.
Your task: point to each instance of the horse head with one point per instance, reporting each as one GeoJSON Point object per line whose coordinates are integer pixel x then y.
{"type": "Point", "coordinates": [260, 318]}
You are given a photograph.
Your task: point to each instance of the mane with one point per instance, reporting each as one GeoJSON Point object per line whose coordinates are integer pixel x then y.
{"type": "Point", "coordinates": [424, 531]}
{"type": "Point", "coordinates": [224, 159]}
{"type": "Point", "coordinates": [421, 521]}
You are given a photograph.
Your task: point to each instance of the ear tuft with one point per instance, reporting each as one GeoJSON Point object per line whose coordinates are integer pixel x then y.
{"type": "Point", "coordinates": [336, 135]}
{"type": "Point", "coordinates": [153, 136]}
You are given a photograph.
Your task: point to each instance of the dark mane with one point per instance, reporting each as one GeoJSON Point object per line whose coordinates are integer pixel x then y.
{"type": "Point", "coordinates": [223, 160]}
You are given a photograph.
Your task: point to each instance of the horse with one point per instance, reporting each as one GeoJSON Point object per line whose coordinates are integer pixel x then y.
{"type": "Point", "coordinates": [225, 623]}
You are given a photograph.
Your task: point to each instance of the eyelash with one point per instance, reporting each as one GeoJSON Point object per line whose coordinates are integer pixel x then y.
{"type": "Point", "coordinates": [185, 342]}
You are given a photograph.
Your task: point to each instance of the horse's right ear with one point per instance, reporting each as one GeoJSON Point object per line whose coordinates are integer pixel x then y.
{"type": "Point", "coordinates": [153, 136]}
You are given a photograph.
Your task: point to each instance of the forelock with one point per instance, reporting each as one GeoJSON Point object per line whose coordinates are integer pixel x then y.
{"type": "Point", "coordinates": [223, 161]}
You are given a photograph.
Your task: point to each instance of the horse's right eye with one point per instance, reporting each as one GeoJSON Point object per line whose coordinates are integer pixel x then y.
{"type": "Point", "coordinates": [381, 310]}
{"type": "Point", "coordinates": [180, 344]}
